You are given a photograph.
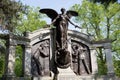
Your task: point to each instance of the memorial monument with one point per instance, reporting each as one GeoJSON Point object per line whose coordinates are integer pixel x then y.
{"type": "Point", "coordinates": [62, 56]}
{"type": "Point", "coordinates": [57, 53]}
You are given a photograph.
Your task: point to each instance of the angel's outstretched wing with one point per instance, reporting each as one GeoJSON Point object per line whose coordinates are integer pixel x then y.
{"type": "Point", "coordinates": [49, 12]}
{"type": "Point", "coordinates": [71, 13]}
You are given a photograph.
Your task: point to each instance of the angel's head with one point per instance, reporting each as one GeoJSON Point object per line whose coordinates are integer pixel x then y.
{"type": "Point", "coordinates": [63, 10]}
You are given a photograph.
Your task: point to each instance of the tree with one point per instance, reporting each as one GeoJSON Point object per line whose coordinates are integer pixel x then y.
{"type": "Point", "coordinates": [17, 18]}
{"type": "Point", "coordinates": [9, 12]}
{"type": "Point", "coordinates": [104, 2]}
{"type": "Point", "coordinates": [2, 65]}
{"type": "Point", "coordinates": [19, 61]}
{"type": "Point", "coordinates": [102, 23]}
{"type": "Point", "coordinates": [2, 57]}
{"type": "Point", "coordinates": [30, 21]}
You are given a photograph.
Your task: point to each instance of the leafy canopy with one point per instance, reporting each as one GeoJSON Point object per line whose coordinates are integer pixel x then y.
{"type": "Point", "coordinates": [102, 22]}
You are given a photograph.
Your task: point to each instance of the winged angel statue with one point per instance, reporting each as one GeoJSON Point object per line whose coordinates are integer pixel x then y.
{"type": "Point", "coordinates": [61, 21]}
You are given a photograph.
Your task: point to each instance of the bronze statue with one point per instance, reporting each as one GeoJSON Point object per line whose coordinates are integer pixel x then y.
{"type": "Point", "coordinates": [60, 21]}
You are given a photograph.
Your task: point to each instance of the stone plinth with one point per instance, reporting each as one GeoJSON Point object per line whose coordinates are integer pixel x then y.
{"type": "Point", "coordinates": [66, 74]}
{"type": "Point", "coordinates": [42, 78]}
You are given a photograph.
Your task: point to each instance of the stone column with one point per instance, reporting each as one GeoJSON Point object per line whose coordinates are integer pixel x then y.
{"type": "Point", "coordinates": [10, 57]}
{"type": "Point", "coordinates": [27, 60]}
{"type": "Point", "coordinates": [94, 64]}
{"type": "Point", "coordinates": [27, 57]}
{"type": "Point", "coordinates": [69, 49]}
{"type": "Point", "coordinates": [11, 60]}
{"type": "Point", "coordinates": [108, 54]}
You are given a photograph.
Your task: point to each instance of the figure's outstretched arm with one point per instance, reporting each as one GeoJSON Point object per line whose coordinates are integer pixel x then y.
{"type": "Point", "coordinates": [76, 26]}
{"type": "Point", "coordinates": [69, 15]}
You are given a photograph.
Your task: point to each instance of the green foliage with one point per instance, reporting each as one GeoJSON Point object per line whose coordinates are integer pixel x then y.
{"type": "Point", "coordinates": [2, 64]}
{"type": "Point", "coordinates": [2, 57]}
{"type": "Point", "coordinates": [18, 61]}
{"type": "Point", "coordinates": [102, 68]}
{"type": "Point", "coordinates": [117, 68]}
{"type": "Point", "coordinates": [18, 18]}
{"type": "Point", "coordinates": [116, 45]}
{"type": "Point", "coordinates": [30, 22]}
{"type": "Point", "coordinates": [9, 12]}
{"type": "Point", "coordinates": [103, 23]}
{"type": "Point", "coordinates": [18, 68]}
{"type": "Point", "coordinates": [104, 2]}
{"type": "Point", "coordinates": [90, 17]}
{"type": "Point", "coordinates": [2, 46]}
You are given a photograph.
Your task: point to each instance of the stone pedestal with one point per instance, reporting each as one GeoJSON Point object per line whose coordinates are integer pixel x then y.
{"type": "Point", "coordinates": [66, 74]}
{"type": "Point", "coordinates": [42, 78]}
